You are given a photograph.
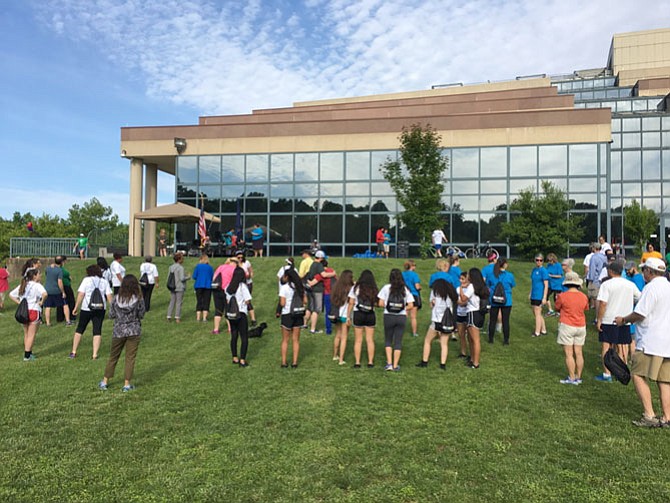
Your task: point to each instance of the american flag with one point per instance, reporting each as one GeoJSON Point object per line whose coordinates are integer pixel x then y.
{"type": "Point", "coordinates": [202, 230]}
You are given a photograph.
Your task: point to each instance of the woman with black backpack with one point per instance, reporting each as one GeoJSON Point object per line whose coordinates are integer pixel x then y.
{"type": "Point", "coordinates": [443, 297]}
{"type": "Point", "coordinates": [92, 293]}
{"type": "Point", "coordinates": [500, 284]}
{"type": "Point", "coordinates": [338, 314]}
{"type": "Point", "coordinates": [237, 307]}
{"type": "Point", "coordinates": [396, 299]}
{"type": "Point", "coordinates": [293, 301]}
{"type": "Point", "coordinates": [473, 297]}
{"type": "Point", "coordinates": [362, 301]}
{"type": "Point", "coordinates": [31, 290]}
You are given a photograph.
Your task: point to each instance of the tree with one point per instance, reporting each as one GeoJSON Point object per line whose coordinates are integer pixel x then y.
{"type": "Point", "coordinates": [416, 180]}
{"type": "Point", "coordinates": [541, 222]}
{"type": "Point", "coordinates": [91, 215]}
{"type": "Point", "coordinates": [639, 224]}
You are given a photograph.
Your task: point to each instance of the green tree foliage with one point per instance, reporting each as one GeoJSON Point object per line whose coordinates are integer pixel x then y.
{"type": "Point", "coordinates": [639, 223]}
{"type": "Point", "coordinates": [416, 180]}
{"type": "Point", "coordinates": [540, 223]}
{"type": "Point", "coordinates": [91, 215]}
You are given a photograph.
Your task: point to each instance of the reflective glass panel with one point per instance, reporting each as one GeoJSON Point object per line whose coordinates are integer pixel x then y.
{"type": "Point", "coordinates": [651, 164]}
{"type": "Point", "coordinates": [493, 186]}
{"type": "Point", "coordinates": [281, 167]}
{"type": "Point", "coordinates": [211, 192]}
{"type": "Point", "coordinates": [465, 162]}
{"type": "Point", "coordinates": [331, 228]}
{"type": "Point", "coordinates": [332, 189]}
{"type": "Point", "coordinates": [631, 124]}
{"type": "Point", "coordinates": [357, 188]}
{"type": "Point", "coordinates": [582, 184]}
{"type": "Point", "coordinates": [305, 228]}
{"type": "Point", "coordinates": [357, 203]}
{"type": "Point", "coordinates": [583, 160]}
{"type": "Point", "coordinates": [357, 228]}
{"type": "Point", "coordinates": [306, 190]}
{"type": "Point", "coordinates": [232, 191]}
{"type": "Point", "coordinates": [624, 106]}
{"type": "Point", "coordinates": [615, 166]}
{"type": "Point", "coordinates": [281, 205]}
{"type": "Point", "coordinates": [331, 165]}
{"type": "Point", "coordinates": [378, 159]}
{"type": "Point", "coordinates": [553, 160]}
{"type": "Point", "coordinates": [307, 167]}
{"type": "Point", "coordinates": [523, 184]}
{"type": "Point", "coordinates": [494, 162]}
{"type": "Point", "coordinates": [281, 190]}
{"type": "Point", "coordinates": [632, 190]}
{"type": "Point", "coordinates": [493, 203]}
{"type": "Point", "coordinates": [358, 165]}
{"type": "Point", "coordinates": [466, 203]}
{"type": "Point", "coordinates": [616, 125]}
{"type": "Point", "coordinates": [256, 190]}
{"type": "Point", "coordinates": [232, 168]}
{"type": "Point", "coordinates": [523, 161]}
{"type": "Point", "coordinates": [616, 141]}
{"type": "Point", "coordinates": [306, 204]}
{"type": "Point", "coordinates": [561, 183]}
{"type": "Point", "coordinates": [187, 169]}
{"type": "Point", "coordinates": [257, 167]}
{"type": "Point", "coordinates": [615, 189]}
{"type": "Point", "coordinates": [381, 189]}
{"type": "Point", "coordinates": [665, 139]}
{"type": "Point", "coordinates": [651, 140]}
{"type": "Point", "coordinates": [651, 123]}
{"type": "Point", "coordinates": [210, 169]}
{"type": "Point", "coordinates": [256, 205]}
{"type": "Point", "coordinates": [332, 204]}
{"type": "Point", "coordinates": [639, 105]}
{"type": "Point", "coordinates": [651, 189]}
{"type": "Point", "coordinates": [653, 204]}
{"type": "Point", "coordinates": [383, 204]}
{"type": "Point", "coordinates": [465, 187]}
{"type": "Point", "coordinates": [666, 166]}
{"type": "Point", "coordinates": [282, 225]}
{"type": "Point", "coordinates": [630, 140]}
{"type": "Point", "coordinates": [631, 166]}
{"type": "Point", "coordinates": [584, 198]}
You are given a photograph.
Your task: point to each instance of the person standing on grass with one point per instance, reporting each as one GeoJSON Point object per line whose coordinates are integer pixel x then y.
{"type": "Point", "coordinates": [464, 292]}
{"type": "Point", "coordinates": [651, 359]}
{"type": "Point", "coordinates": [413, 282]}
{"type": "Point", "coordinates": [455, 270]}
{"type": "Point", "coordinates": [202, 277]}
{"type": "Point", "coordinates": [616, 297]}
{"type": "Point", "coordinates": [387, 243]}
{"type": "Point", "coordinates": [650, 253]}
{"type": "Point", "coordinates": [239, 325]}
{"type": "Point", "coordinates": [56, 291]}
{"type": "Point", "coordinates": [506, 279]}
{"type": "Point", "coordinates": [566, 266]}
{"type": "Point", "coordinates": [362, 301]}
{"type": "Point", "coordinates": [328, 277]}
{"type": "Point", "coordinates": [88, 285]}
{"type": "Point", "coordinates": [69, 293]}
{"type": "Point", "coordinates": [443, 296]}
{"type": "Point", "coordinates": [150, 269]}
{"type": "Point", "coordinates": [539, 290]}
{"type": "Point", "coordinates": [475, 316]}
{"type": "Point", "coordinates": [291, 316]}
{"type": "Point", "coordinates": [596, 264]}
{"type": "Point", "coordinates": [4, 285]}
{"type": "Point", "coordinates": [117, 271]}
{"type": "Point", "coordinates": [379, 240]}
{"type": "Point", "coordinates": [257, 240]}
{"type": "Point", "coordinates": [177, 295]}
{"type": "Point", "coordinates": [35, 294]}
{"type": "Point", "coordinates": [127, 311]}
{"type": "Point", "coordinates": [572, 306]}
{"type": "Point", "coordinates": [437, 238]}
{"type": "Point", "coordinates": [633, 275]}
{"type": "Point", "coordinates": [442, 265]}
{"type": "Point", "coordinates": [225, 273]}
{"type": "Point", "coordinates": [396, 299]}
{"type": "Point", "coordinates": [555, 272]}
{"type": "Point", "coordinates": [340, 304]}
{"type": "Point", "coordinates": [249, 274]}
{"type": "Point", "coordinates": [315, 290]}
{"type": "Point", "coordinates": [162, 243]}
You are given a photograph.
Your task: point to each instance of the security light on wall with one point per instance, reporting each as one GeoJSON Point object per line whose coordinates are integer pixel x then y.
{"type": "Point", "coordinates": [180, 145]}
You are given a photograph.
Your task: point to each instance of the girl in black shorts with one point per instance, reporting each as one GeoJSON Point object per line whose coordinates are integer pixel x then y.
{"type": "Point", "coordinates": [362, 301]}
{"type": "Point", "coordinates": [292, 314]}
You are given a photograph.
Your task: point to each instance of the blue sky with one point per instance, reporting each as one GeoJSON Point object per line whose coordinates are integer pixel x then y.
{"type": "Point", "coordinates": [75, 71]}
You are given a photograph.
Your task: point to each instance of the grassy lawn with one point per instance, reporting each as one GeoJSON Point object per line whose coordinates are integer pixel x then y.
{"type": "Point", "coordinates": [198, 428]}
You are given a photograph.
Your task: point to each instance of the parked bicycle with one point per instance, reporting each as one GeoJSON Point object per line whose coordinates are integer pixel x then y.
{"type": "Point", "coordinates": [447, 251]}
{"type": "Point", "coordinates": [478, 251]}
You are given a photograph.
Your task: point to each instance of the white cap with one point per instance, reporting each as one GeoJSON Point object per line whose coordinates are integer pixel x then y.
{"type": "Point", "coordinates": [654, 263]}
{"type": "Point", "coordinates": [320, 254]}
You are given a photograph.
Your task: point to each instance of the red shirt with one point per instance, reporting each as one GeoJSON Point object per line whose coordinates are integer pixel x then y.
{"type": "Point", "coordinates": [4, 284]}
{"type": "Point", "coordinates": [572, 305]}
{"type": "Point", "coordinates": [379, 237]}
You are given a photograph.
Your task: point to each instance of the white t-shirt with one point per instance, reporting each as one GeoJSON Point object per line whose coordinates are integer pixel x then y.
{"type": "Point", "coordinates": [439, 307]}
{"type": "Point", "coordinates": [281, 272]}
{"type": "Point", "coordinates": [33, 294]}
{"type": "Point", "coordinates": [620, 295]}
{"type": "Point", "coordinates": [604, 247]}
{"type": "Point", "coordinates": [384, 295]}
{"type": "Point", "coordinates": [654, 305]}
{"type": "Point", "coordinates": [116, 268]}
{"type": "Point", "coordinates": [438, 236]}
{"type": "Point", "coordinates": [587, 259]}
{"type": "Point", "coordinates": [473, 301]}
{"type": "Point", "coordinates": [151, 270]}
{"type": "Point", "coordinates": [90, 283]}
{"type": "Point", "coordinates": [243, 296]}
{"type": "Point", "coordinates": [353, 294]}
{"type": "Point", "coordinates": [287, 292]}
{"type": "Point", "coordinates": [248, 271]}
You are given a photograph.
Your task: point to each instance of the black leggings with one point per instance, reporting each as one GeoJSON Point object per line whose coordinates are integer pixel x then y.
{"type": "Point", "coordinates": [239, 327]}
{"type": "Point", "coordinates": [493, 319]}
{"type": "Point", "coordinates": [146, 293]}
{"type": "Point", "coordinates": [394, 326]}
{"type": "Point", "coordinates": [96, 317]}
{"type": "Point", "coordinates": [202, 298]}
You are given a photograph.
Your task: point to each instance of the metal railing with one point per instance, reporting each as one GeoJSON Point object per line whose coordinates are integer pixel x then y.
{"type": "Point", "coordinates": [41, 247]}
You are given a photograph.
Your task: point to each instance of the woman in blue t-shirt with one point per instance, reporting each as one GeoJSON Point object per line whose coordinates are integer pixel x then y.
{"type": "Point", "coordinates": [539, 289]}
{"type": "Point", "coordinates": [506, 279]}
{"type": "Point", "coordinates": [555, 272]}
{"type": "Point", "coordinates": [413, 282]}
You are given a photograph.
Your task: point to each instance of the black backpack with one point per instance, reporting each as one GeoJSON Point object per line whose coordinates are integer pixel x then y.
{"type": "Point", "coordinates": [171, 284]}
{"type": "Point", "coordinates": [216, 282]}
{"type": "Point", "coordinates": [616, 366]}
{"type": "Point", "coordinates": [297, 304]}
{"type": "Point", "coordinates": [334, 314]}
{"type": "Point", "coordinates": [364, 307]}
{"type": "Point", "coordinates": [233, 309]}
{"type": "Point", "coordinates": [144, 279]}
{"type": "Point", "coordinates": [499, 295]}
{"type": "Point", "coordinates": [396, 302]}
{"type": "Point", "coordinates": [21, 315]}
{"type": "Point", "coordinates": [96, 302]}
{"type": "Point", "coordinates": [447, 324]}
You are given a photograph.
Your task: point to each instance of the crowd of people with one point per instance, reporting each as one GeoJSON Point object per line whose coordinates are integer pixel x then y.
{"type": "Point", "coordinates": [631, 309]}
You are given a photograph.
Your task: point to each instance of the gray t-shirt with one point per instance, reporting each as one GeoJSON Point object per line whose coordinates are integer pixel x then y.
{"type": "Point", "coordinates": [53, 274]}
{"type": "Point", "coordinates": [316, 268]}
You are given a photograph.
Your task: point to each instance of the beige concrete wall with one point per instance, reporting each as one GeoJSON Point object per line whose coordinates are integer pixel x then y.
{"type": "Point", "coordinates": [150, 199]}
{"type": "Point", "coordinates": [640, 51]}
{"type": "Point", "coordinates": [473, 88]}
{"type": "Point", "coordinates": [135, 199]}
{"type": "Point", "coordinates": [630, 77]}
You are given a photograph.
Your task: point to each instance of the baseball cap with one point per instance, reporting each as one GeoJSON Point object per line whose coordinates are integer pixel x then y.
{"type": "Point", "coordinates": [629, 265]}
{"type": "Point", "coordinates": [654, 263]}
{"type": "Point", "coordinates": [320, 254]}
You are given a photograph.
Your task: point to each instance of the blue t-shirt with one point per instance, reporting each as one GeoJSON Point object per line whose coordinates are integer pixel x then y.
{"type": "Point", "coordinates": [411, 278]}
{"type": "Point", "coordinates": [53, 274]}
{"type": "Point", "coordinates": [256, 234]}
{"type": "Point", "coordinates": [537, 278]}
{"type": "Point", "coordinates": [556, 270]}
{"type": "Point", "coordinates": [508, 282]}
{"type": "Point", "coordinates": [202, 276]}
{"type": "Point", "coordinates": [638, 279]}
{"type": "Point", "coordinates": [439, 275]}
{"type": "Point", "coordinates": [488, 271]}
{"type": "Point", "coordinates": [455, 276]}
{"type": "Point", "coordinates": [387, 238]}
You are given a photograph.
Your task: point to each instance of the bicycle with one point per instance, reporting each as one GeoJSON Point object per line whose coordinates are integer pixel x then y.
{"type": "Point", "coordinates": [447, 251]}
{"type": "Point", "coordinates": [479, 251]}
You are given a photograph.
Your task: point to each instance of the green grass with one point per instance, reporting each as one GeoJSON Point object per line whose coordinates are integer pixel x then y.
{"type": "Point", "coordinates": [199, 429]}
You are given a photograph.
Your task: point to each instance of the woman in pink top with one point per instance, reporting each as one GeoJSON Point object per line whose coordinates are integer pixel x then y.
{"type": "Point", "coordinates": [4, 285]}
{"type": "Point", "coordinates": [221, 279]}
{"type": "Point", "coordinates": [572, 304]}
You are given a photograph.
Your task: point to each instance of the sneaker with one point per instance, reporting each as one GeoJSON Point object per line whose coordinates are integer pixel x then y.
{"type": "Point", "coordinates": [253, 323]}
{"type": "Point", "coordinates": [454, 338]}
{"type": "Point", "coordinates": [567, 380]}
{"type": "Point", "coordinates": [215, 332]}
{"type": "Point", "coordinates": [72, 356]}
{"type": "Point", "coordinates": [663, 424]}
{"type": "Point", "coordinates": [336, 358]}
{"type": "Point", "coordinates": [647, 422]}
{"type": "Point", "coordinates": [534, 334]}
{"type": "Point", "coordinates": [244, 364]}
{"type": "Point", "coordinates": [343, 363]}
{"type": "Point", "coordinates": [578, 380]}
{"type": "Point", "coordinates": [603, 378]}
{"type": "Point", "coordinates": [415, 335]}
{"type": "Point", "coordinates": [388, 366]}
{"type": "Point", "coordinates": [316, 331]}
{"type": "Point", "coordinates": [128, 388]}
{"type": "Point", "coordinates": [69, 323]}
{"type": "Point", "coordinates": [473, 366]}
{"type": "Point", "coordinates": [371, 365]}
{"type": "Point", "coordinates": [102, 386]}
{"type": "Point", "coordinates": [422, 364]}
{"type": "Point", "coordinates": [396, 369]}
{"type": "Point", "coordinates": [30, 358]}
{"type": "Point", "coordinates": [357, 365]}
{"type": "Point", "coordinates": [443, 366]}
{"type": "Point", "coordinates": [465, 357]}
{"type": "Point", "coordinates": [550, 313]}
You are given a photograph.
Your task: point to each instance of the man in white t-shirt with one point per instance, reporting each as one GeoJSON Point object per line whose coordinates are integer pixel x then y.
{"type": "Point", "coordinates": [651, 359]}
{"type": "Point", "coordinates": [616, 297]}
{"type": "Point", "coordinates": [604, 245]}
{"type": "Point", "coordinates": [438, 237]}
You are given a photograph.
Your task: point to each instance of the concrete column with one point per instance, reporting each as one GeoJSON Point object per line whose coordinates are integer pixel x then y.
{"type": "Point", "coordinates": [135, 226]}
{"type": "Point", "coordinates": [150, 198]}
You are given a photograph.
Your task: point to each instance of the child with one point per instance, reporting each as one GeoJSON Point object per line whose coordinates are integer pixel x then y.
{"type": "Point", "coordinates": [127, 311]}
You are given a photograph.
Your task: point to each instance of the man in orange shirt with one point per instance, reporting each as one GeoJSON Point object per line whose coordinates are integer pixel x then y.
{"type": "Point", "coordinates": [572, 304]}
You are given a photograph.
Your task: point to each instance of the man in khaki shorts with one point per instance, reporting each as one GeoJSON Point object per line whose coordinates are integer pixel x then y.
{"type": "Point", "coordinates": [651, 359]}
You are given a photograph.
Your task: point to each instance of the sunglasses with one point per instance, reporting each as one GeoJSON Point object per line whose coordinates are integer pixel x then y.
{"type": "Point", "coordinates": [539, 260]}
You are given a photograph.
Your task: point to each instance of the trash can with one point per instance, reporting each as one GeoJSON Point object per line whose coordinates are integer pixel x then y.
{"type": "Point", "coordinates": [402, 249]}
